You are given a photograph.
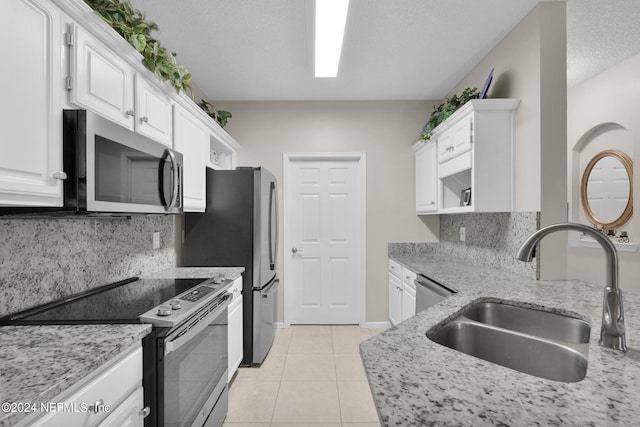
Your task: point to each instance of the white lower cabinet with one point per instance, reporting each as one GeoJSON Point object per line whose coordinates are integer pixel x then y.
{"type": "Point", "coordinates": [110, 396]}
{"type": "Point", "coordinates": [128, 413]}
{"type": "Point", "coordinates": [408, 293]}
{"type": "Point", "coordinates": [395, 292]}
{"type": "Point", "coordinates": [402, 292]}
{"type": "Point", "coordinates": [235, 327]}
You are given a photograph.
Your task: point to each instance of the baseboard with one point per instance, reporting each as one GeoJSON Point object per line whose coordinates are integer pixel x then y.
{"type": "Point", "coordinates": [376, 325]}
{"type": "Point", "coordinates": [367, 325]}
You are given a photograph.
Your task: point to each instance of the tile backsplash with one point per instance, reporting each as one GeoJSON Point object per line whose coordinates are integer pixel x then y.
{"type": "Point", "coordinates": [42, 260]}
{"type": "Point", "coordinates": [490, 239]}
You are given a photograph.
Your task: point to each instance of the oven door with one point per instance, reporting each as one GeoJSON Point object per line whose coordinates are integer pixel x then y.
{"type": "Point", "coordinates": [193, 371]}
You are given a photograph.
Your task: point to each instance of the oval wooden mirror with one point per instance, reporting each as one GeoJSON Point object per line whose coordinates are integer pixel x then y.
{"type": "Point", "coordinates": [606, 190]}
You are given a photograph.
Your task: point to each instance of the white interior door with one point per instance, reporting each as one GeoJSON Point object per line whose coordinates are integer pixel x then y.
{"type": "Point", "coordinates": [325, 246]}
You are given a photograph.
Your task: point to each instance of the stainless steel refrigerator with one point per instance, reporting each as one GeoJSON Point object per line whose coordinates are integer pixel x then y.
{"type": "Point", "coordinates": [239, 228]}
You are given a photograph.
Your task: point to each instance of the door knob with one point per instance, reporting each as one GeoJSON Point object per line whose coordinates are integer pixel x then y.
{"type": "Point", "coordinates": [295, 250]}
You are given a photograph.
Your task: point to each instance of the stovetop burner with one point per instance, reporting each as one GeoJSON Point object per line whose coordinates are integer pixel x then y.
{"type": "Point", "coordinates": [121, 302]}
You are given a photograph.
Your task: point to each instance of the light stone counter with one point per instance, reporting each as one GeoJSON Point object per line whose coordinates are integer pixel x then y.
{"type": "Point", "coordinates": [417, 382]}
{"type": "Point", "coordinates": [230, 273]}
{"type": "Point", "coordinates": [37, 363]}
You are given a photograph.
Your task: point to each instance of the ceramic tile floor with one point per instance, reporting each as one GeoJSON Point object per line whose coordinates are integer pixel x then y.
{"type": "Point", "coordinates": [312, 377]}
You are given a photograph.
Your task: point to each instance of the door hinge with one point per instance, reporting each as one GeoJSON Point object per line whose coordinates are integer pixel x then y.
{"type": "Point", "coordinates": [69, 83]}
{"type": "Point", "coordinates": [68, 39]}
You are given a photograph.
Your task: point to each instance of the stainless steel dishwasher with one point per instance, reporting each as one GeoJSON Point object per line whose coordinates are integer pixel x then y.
{"type": "Point", "coordinates": [429, 293]}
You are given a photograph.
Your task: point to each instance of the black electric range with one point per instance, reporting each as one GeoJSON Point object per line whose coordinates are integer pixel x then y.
{"type": "Point", "coordinates": [189, 317]}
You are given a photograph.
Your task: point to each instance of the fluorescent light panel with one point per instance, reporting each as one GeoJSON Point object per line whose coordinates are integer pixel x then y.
{"type": "Point", "coordinates": [331, 16]}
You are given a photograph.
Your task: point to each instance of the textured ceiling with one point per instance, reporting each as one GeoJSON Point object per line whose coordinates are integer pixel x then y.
{"type": "Point", "coordinates": [400, 49]}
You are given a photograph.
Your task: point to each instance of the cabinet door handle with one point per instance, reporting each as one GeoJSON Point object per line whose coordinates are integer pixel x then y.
{"type": "Point", "coordinates": [144, 119]}
{"type": "Point", "coordinates": [145, 412]}
{"type": "Point", "coordinates": [60, 175]}
{"type": "Point", "coordinates": [130, 113]}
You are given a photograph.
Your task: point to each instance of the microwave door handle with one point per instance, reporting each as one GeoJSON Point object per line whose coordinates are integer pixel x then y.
{"type": "Point", "coordinates": [171, 346]}
{"type": "Point", "coordinates": [175, 180]}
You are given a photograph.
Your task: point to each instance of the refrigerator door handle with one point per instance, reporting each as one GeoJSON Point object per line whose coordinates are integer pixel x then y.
{"type": "Point", "coordinates": [273, 237]}
{"type": "Point", "coordinates": [264, 292]}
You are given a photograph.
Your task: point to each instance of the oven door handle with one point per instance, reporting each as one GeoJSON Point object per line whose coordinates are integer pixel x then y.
{"type": "Point", "coordinates": [172, 345]}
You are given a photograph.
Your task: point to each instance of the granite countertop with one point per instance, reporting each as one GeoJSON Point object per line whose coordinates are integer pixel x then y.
{"type": "Point", "coordinates": [417, 382]}
{"type": "Point", "coordinates": [230, 273]}
{"type": "Point", "coordinates": [37, 363]}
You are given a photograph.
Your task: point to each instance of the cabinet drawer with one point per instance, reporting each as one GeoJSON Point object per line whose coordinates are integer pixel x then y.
{"type": "Point", "coordinates": [408, 278]}
{"type": "Point", "coordinates": [457, 140]}
{"type": "Point", "coordinates": [395, 268]}
{"type": "Point", "coordinates": [455, 165]}
{"type": "Point", "coordinates": [109, 387]}
{"type": "Point", "coordinates": [236, 287]}
{"type": "Point", "coordinates": [130, 413]}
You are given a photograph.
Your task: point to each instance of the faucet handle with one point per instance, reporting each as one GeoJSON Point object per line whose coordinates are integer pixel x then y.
{"type": "Point", "coordinates": [612, 333]}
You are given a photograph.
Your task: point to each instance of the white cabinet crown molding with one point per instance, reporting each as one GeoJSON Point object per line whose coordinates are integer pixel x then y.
{"type": "Point", "coordinates": [476, 105]}
{"type": "Point", "coordinates": [82, 13]}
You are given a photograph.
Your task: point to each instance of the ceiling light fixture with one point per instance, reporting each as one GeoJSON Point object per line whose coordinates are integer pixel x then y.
{"type": "Point", "coordinates": [331, 17]}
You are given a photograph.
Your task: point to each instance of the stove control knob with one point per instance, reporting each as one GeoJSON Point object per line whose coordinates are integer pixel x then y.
{"type": "Point", "coordinates": [164, 310]}
{"type": "Point", "coordinates": [175, 304]}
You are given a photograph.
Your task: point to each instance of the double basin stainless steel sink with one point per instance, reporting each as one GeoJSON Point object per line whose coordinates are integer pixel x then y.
{"type": "Point", "coordinates": [541, 343]}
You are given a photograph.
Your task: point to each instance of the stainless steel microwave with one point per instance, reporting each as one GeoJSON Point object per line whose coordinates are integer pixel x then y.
{"type": "Point", "coordinates": [111, 170]}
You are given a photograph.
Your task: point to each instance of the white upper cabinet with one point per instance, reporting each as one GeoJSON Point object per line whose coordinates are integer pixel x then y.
{"type": "Point", "coordinates": [104, 83]}
{"type": "Point", "coordinates": [63, 55]}
{"type": "Point", "coordinates": [100, 80]}
{"type": "Point", "coordinates": [30, 118]}
{"type": "Point", "coordinates": [426, 159]}
{"type": "Point", "coordinates": [474, 159]}
{"type": "Point", "coordinates": [191, 138]}
{"type": "Point", "coordinates": [153, 112]}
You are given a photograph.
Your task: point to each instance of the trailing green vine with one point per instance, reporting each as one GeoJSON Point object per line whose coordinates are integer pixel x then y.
{"type": "Point", "coordinates": [132, 25]}
{"type": "Point", "coordinates": [446, 109]}
{"type": "Point", "coordinates": [220, 116]}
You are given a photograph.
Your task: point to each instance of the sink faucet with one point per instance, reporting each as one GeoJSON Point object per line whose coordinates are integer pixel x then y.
{"type": "Point", "coordinates": [612, 334]}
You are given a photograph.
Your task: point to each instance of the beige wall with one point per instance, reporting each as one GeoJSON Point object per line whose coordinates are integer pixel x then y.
{"type": "Point", "coordinates": [530, 64]}
{"type": "Point", "coordinates": [608, 101]}
{"type": "Point", "coordinates": [384, 130]}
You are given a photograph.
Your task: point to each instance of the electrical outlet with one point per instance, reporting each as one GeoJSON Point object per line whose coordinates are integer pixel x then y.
{"type": "Point", "coordinates": [156, 240]}
{"type": "Point", "coordinates": [463, 234]}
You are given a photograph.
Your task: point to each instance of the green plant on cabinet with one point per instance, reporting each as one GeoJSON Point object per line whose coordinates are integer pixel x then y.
{"type": "Point", "coordinates": [220, 116]}
{"type": "Point", "coordinates": [132, 25]}
{"type": "Point", "coordinates": [446, 109]}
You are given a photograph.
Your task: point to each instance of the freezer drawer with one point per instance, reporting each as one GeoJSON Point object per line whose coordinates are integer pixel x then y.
{"type": "Point", "coordinates": [429, 293]}
{"type": "Point", "coordinates": [265, 312]}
